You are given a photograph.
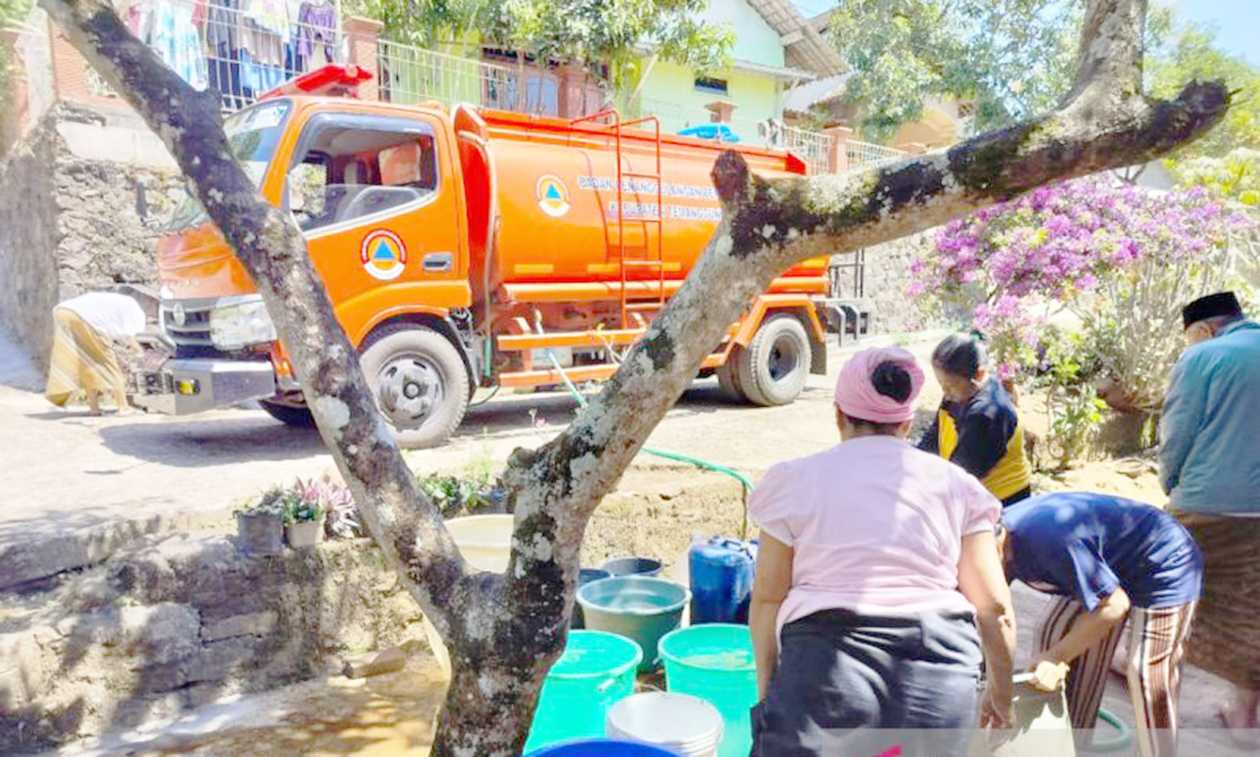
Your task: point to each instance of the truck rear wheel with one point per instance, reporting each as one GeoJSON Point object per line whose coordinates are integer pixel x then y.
{"type": "Point", "coordinates": [728, 377]}
{"type": "Point", "coordinates": [773, 369]}
{"type": "Point", "coordinates": [419, 382]}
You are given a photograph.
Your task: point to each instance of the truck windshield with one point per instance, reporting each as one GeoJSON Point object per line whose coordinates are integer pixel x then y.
{"type": "Point", "coordinates": [252, 136]}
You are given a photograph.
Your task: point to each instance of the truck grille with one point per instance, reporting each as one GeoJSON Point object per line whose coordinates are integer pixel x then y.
{"type": "Point", "coordinates": [187, 322]}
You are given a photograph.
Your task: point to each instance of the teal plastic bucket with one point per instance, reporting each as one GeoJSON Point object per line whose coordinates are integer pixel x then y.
{"type": "Point", "coordinates": [594, 673]}
{"type": "Point", "coordinates": [637, 607]}
{"type": "Point", "coordinates": [715, 662]}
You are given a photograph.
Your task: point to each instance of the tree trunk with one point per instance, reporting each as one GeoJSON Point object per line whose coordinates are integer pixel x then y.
{"type": "Point", "coordinates": [504, 631]}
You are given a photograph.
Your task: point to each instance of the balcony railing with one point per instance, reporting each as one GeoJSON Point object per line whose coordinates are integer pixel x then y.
{"type": "Point", "coordinates": [863, 154]}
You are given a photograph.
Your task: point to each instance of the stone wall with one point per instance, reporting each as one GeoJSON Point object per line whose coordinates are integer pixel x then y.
{"type": "Point", "coordinates": [183, 621]}
{"type": "Point", "coordinates": [83, 199]}
{"type": "Point", "coordinates": [886, 278]}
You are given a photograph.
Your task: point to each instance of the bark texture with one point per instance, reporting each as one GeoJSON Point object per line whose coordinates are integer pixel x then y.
{"type": "Point", "coordinates": [504, 631]}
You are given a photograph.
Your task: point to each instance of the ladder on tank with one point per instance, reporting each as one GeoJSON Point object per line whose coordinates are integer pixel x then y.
{"type": "Point", "coordinates": [612, 119]}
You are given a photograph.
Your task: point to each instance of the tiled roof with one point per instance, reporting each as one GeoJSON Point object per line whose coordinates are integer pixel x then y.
{"type": "Point", "coordinates": [805, 47]}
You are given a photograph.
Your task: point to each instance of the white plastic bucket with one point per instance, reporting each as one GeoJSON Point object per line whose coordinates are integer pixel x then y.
{"type": "Point", "coordinates": [485, 541]}
{"type": "Point", "coordinates": [686, 725]}
{"type": "Point", "coordinates": [1042, 726]}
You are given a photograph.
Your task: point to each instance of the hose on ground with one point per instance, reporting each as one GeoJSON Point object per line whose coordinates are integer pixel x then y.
{"type": "Point", "coordinates": [744, 482]}
{"type": "Point", "coordinates": [1122, 739]}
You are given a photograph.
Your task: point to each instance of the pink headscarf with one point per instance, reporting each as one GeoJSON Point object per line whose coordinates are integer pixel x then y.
{"type": "Point", "coordinates": [855, 391]}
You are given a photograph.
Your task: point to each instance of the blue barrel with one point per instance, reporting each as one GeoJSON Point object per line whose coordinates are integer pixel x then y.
{"type": "Point", "coordinates": [601, 748]}
{"type": "Point", "coordinates": [722, 573]}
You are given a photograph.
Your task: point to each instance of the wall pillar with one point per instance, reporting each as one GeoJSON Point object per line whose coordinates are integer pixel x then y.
{"type": "Point", "coordinates": [838, 155]}
{"type": "Point", "coordinates": [15, 119]}
{"type": "Point", "coordinates": [720, 111]}
{"type": "Point", "coordinates": [363, 50]}
{"type": "Point", "coordinates": [571, 91]}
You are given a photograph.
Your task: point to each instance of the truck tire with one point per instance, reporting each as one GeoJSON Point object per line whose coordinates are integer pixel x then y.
{"type": "Point", "coordinates": [728, 377]}
{"type": "Point", "coordinates": [772, 371]}
{"type": "Point", "coordinates": [289, 413]}
{"type": "Point", "coordinates": [419, 381]}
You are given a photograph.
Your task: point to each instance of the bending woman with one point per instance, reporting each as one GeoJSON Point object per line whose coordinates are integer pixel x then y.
{"type": "Point", "coordinates": [877, 563]}
{"type": "Point", "coordinates": [977, 426]}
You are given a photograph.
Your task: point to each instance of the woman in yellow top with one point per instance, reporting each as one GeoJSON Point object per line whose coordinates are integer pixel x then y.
{"type": "Point", "coordinates": [977, 426]}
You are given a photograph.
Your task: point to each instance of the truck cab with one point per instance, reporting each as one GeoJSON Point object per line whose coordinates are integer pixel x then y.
{"type": "Point", "coordinates": [459, 251]}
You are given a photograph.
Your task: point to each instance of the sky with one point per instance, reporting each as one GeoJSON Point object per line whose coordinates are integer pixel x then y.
{"type": "Point", "coordinates": [1237, 22]}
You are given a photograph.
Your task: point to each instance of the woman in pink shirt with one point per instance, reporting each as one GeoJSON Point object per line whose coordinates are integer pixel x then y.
{"type": "Point", "coordinates": [877, 564]}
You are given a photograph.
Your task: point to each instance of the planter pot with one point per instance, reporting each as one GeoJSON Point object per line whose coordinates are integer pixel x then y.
{"type": "Point", "coordinates": [259, 534]}
{"type": "Point", "coordinates": [304, 534]}
{"type": "Point", "coordinates": [1122, 433]}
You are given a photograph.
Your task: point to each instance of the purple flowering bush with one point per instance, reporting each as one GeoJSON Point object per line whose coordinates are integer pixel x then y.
{"type": "Point", "coordinates": [1118, 257]}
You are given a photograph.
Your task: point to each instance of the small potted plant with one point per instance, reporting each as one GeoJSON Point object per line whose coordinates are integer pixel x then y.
{"type": "Point", "coordinates": [341, 516]}
{"type": "Point", "coordinates": [304, 511]}
{"type": "Point", "coordinates": [260, 526]}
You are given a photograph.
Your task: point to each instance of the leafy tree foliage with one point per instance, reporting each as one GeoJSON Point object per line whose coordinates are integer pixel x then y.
{"type": "Point", "coordinates": [1192, 54]}
{"type": "Point", "coordinates": [615, 34]}
{"type": "Point", "coordinates": [1012, 58]}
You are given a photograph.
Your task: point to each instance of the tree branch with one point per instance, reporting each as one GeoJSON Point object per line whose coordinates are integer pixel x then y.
{"type": "Point", "coordinates": [272, 249]}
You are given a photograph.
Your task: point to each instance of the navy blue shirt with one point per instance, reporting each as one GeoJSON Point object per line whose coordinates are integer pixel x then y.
{"type": "Point", "coordinates": [1085, 545]}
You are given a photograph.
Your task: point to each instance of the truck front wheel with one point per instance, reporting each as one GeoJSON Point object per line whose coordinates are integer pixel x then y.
{"type": "Point", "coordinates": [419, 382]}
{"type": "Point", "coordinates": [773, 369]}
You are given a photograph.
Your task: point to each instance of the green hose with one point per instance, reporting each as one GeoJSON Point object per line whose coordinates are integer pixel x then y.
{"type": "Point", "coordinates": [744, 481]}
{"type": "Point", "coordinates": [1122, 739]}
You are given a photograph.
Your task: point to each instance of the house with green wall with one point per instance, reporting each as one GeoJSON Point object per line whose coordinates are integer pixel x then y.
{"type": "Point", "coordinates": [775, 49]}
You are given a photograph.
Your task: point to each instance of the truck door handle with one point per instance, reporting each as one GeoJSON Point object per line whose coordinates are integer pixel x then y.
{"type": "Point", "coordinates": [438, 262]}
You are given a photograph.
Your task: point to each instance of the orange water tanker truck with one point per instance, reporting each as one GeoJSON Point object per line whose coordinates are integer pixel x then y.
{"type": "Point", "coordinates": [462, 249]}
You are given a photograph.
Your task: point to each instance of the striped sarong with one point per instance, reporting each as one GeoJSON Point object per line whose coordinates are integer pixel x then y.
{"type": "Point", "coordinates": [1157, 643]}
{"type": "Point", "coordinates": [83, 363]}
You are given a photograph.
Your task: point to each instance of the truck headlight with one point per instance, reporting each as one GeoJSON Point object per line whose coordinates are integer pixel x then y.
{"type": "Point", "coordinates": [240, 324]}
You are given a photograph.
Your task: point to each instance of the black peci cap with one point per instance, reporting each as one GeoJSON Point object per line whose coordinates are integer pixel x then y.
{"type": "Point", "coordinates": [1211, 306]}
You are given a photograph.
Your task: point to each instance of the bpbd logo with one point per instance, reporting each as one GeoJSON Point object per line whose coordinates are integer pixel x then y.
{"type": "Point", "coordinates": [383, 255]}
{"type": "Point", "coordinates": [553, 196]}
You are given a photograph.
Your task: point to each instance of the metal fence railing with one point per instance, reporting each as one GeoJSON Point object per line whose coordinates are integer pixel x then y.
{"type": "Point", "coordinates": [240, 53]}
{"type": "Point", "coordinates": [865, 154]}
{"type": "Point", "coordinates": [244, 53]}
{"type": "Point", "coordinates": [409, 75]}
{"type": "Point", "coordinates": [813, 147]}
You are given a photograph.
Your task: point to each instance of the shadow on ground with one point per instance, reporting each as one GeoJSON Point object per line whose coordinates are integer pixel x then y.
{"type": "Point", "coordinates": [201, 443]}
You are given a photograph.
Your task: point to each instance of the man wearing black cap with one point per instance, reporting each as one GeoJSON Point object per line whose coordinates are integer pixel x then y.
{"type": "Point", "coordinates": [1210, 466]}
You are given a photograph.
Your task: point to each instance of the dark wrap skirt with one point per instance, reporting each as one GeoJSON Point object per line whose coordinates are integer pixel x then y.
{"type": "Point", "coordinates": [841, 674]}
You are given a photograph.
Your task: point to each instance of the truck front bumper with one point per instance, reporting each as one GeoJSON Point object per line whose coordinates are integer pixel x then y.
{"type": "Point", "coordinates": [183, 386]}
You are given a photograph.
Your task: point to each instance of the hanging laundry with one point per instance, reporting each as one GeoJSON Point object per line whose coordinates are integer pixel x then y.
{"type": "Point", "coordinates": [168, 29]}
{"type": "Point", "coordinates": [318, 22]}
{"type": "Point", "coordinates": [294, 61]}
{"type": "Point", "coordinates": [223, 40]}
{"type": "Point", "coordinates": [265, 25]}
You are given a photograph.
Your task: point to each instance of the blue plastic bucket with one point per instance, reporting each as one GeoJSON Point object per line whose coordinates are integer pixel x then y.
{"type": "Point", "coordinates": [601, 748]}
{"type": "Point", "coordinates": [585, 576]}
{"type": "Point", "coordinates": [594, 673]}
{"type": "Point", "coordinates": [721, 574]}
{"type": "Point", "coordinates": [638, 607]}
{"type": "Point", "coordinates": [633, 566]}
{"type": "Point", "coordinates": [715, 663]}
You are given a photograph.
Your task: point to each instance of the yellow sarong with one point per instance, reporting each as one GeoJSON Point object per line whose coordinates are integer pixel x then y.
{"type": "Point", "coordinates": [83, 362]}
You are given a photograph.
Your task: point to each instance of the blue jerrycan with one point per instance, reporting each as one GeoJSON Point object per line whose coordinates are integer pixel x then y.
{"type": "Point", "coordinates": [721, 572]}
